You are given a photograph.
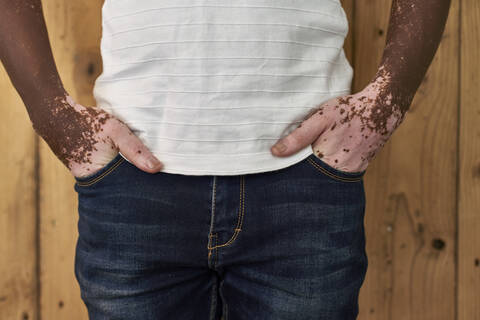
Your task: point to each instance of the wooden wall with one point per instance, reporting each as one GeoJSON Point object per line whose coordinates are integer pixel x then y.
{"type": "Point", "coordinates": [423, 189]}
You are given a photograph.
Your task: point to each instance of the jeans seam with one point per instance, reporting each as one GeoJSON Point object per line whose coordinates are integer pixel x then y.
{"type": "Point", "coordinates": [213, 303]}
{"type": "Point", "coordinates": [210, 246]}
{"type": "Point", "coordinates": [241, 212]}
{"type": "Point", "coordinates": [103, 175]}
{"type": "Point", "coordinates": [331, 175]}
{"type": "Point", "coordinates": [225, 306]}
{"type": "Point", "coordinates": [212, 250]}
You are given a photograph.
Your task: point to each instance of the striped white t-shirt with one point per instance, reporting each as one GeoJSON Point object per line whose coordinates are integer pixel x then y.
{"type": "Point", "coordinates": [210, 85]}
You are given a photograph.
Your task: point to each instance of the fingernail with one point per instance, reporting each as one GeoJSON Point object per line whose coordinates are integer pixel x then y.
{"type": "Point", "coordinates": [279, 147]}
{"type": "Point", "coordinates": [152, 163]}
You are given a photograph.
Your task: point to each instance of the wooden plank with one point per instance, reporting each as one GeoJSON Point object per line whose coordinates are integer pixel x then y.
{"type": "Point", "coordinates": [18, 259]}
{"type": "Point", "coordinates": [411, 185]}
{"type": "Point", "coordinates": [469, 173]}
{"type": "Point", "coordinates": [75, 30]}
{"type": "Point", "coordinates": [348, 7]}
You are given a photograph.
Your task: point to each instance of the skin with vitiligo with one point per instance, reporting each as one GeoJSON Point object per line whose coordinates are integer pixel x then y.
{"type": "Point", "coordinates": [84, 138]}
{"type": "Point", "coordinates": [348, 131]}
{"type": "Point", "coordinates": [79, 136]}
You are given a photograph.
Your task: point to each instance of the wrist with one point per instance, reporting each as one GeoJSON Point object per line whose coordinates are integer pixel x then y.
{"type": "Point", "coordinates": [38, 89]}
{"type": "Point", "coordinates": [42, 107]}
{"type": "Point", "coordinates": [391, 90]}
{"type": "Point", "coordinates": [386, 103]}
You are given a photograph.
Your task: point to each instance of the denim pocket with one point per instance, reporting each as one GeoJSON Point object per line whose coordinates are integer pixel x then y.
{"type": "Point", "coordinates": [102, 173]}
{"type": "Point", "coordinates": [328, 170]}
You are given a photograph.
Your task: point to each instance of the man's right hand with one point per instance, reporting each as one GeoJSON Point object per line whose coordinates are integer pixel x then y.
{"type": "Point", "coordinates": [85, 139]}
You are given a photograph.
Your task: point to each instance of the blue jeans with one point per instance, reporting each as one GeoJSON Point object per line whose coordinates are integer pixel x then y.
{"type": "Point", "coordinates": [283, 244]}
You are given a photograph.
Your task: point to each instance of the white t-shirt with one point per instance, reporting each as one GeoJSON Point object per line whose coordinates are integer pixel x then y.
{"type": "Point", "coordinates": [210, 85]}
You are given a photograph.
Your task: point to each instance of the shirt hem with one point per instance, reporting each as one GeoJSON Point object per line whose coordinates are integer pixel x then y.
{"type": "Point", "coordinates": [241, 165]}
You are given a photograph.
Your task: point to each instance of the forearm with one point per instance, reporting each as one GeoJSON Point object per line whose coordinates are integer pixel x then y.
{"type": "Point", "coordinates": [26, 54]}
{"type": "Point", "coordinates": [414, 33]}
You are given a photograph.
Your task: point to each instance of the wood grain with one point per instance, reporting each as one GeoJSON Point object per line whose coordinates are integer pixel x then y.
{"type": "Point", "coordinates": [75, 30]}
{"type": "Point", "coordinates": [423, 189]}
{"type": "Point", "coordinates": [469, 173]}
{"type": "Point", "coordinates": [348, 7]}
{"type": "Point", "coordinates": [18, 220]}
{"type": "Point", "coordinates": [411, 185]}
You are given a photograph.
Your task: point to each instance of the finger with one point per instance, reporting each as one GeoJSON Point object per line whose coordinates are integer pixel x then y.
{"type": "Point", "coordinates": [134, 150]}
{"type": "Point", "coordinates": [304, 135]}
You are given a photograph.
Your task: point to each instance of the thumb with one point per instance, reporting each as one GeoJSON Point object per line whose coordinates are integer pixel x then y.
{"type": "Point", "coordinates": [135, 151]}
{"type": "Point", "coordinates": [305, 134]}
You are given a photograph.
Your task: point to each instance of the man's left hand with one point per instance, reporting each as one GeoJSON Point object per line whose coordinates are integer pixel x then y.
{"type": "Point", "coordinates": [346, 132]}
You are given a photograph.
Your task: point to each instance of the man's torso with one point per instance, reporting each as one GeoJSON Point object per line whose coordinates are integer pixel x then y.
{"type": "Point", "coordinates": [210, 86]}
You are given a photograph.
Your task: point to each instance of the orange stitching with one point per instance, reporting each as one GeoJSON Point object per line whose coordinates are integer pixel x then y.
{"type": "Point", "coordinates": [241, 212]}
{"type": "Point", "coordinates": [210, 249]}
{"type": "Point", "coordinates": [328, 173]}
{"type": "Point", "coordinates": [216, 255]}
{"type": "Point", "coordinates": [89, 183]}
